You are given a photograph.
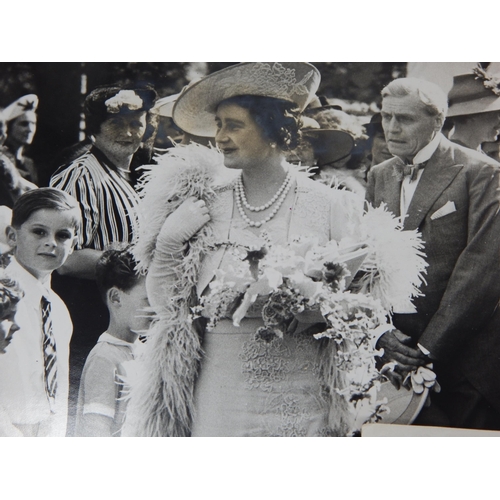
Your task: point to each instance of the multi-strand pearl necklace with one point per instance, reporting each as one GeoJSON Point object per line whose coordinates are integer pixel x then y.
{"type": "Point", "coordinates": [278, 198]}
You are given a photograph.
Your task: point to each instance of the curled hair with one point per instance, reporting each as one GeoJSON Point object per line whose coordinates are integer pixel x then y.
{"type": "Point", "coordinates": [45, 198]}
{"type": "Point", "coordinates": [278, 119]}
{"type": "Point", "coordinates": [429, 94]}
{"type": "Point", "coordinates": [116, 268]}
{"type": "Point", "coordinates": [10, 295]}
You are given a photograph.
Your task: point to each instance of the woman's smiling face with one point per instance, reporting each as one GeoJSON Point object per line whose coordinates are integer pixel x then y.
{"type": "Point", "coordinates": [239, 137]}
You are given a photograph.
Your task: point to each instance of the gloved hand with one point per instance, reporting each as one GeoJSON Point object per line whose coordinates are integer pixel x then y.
{"type": "Point", "coordinates": [182, 224]}
{"type": "Point", "coordinates": [177, 229]}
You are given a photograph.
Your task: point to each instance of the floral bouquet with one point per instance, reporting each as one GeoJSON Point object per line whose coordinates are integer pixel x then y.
{"type": "Point", "coordinates": [342, 291]}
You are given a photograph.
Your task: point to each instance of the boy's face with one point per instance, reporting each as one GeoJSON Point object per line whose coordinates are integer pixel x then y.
{"type": "Point", "coordinates": [135, 306]}
{"type": "Point", "coordinates": [8, 327]}
{"type": "Point", "coordinates": [44, 242]}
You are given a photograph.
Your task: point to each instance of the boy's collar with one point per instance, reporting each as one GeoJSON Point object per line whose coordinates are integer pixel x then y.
{"type": "Point", "coordinates": [31, 285]}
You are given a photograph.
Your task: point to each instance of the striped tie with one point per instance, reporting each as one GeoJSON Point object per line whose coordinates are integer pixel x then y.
{"type": "Point", "coordinates": [49, 350]}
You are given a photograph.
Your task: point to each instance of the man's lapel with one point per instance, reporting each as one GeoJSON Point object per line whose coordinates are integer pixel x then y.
{"type": "Point", "coordinates": [436, 177]}
{"type": "Point", "coordinates": [392, 189]}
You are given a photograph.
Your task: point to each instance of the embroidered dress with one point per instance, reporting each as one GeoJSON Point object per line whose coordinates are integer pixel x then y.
{"type": "Point", "coordinates": [250, 387]}
{"type": "Point", "coordinates": [230, 385]}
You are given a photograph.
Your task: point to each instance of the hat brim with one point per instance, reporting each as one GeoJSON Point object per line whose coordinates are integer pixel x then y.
{"type": "Point", "coordinates": [329, 145]}
{"type": "Point", "coordinates": [165, 105]}
{"type": "Point", "coordinates": [194, 110]}
{"type": "Point", "coordinates": [476, 106]}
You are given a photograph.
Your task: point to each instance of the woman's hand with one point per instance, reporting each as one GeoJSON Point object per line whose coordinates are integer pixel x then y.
{"type": "Point", "coordinates": [182, 224]}
{"type": "Point", "coordinates": [177, 229]}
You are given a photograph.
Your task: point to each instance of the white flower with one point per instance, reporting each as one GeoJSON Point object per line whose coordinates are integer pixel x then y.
{"type": "Point", "coordinates": [124, 98]}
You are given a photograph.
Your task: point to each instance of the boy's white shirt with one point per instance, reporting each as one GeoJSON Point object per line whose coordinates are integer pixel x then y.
{"type": "Point", "coordinates": [22, 386]}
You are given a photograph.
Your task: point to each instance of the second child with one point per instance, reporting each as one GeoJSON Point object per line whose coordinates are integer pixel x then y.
{"type": "Point", "coordinates": [101, 400]}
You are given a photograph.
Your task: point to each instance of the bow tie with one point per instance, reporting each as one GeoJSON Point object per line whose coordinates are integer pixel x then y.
{"type": "Point", "coordinates": [402, 171]}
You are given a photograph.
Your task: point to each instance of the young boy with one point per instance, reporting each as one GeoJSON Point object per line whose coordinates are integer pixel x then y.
{"type": "Point", "coordinates": [34, 370]}
{"type": "Point", "coordinates": [101, 401]}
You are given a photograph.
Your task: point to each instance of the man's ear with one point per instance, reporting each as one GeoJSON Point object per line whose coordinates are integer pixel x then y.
{"type": "Point", "coordinates": [114, 296]}
{"type": "Point", "coordinates": [11, 234]}
{"type": "Point", "coordinates": [439, 122]}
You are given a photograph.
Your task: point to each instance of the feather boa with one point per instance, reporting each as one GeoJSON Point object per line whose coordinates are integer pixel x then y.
{"type": "Point", "coordinates": [161, 389]}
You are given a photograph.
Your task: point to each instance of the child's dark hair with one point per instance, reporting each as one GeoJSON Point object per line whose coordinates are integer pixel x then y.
{"type": "Point", "coordinates": [45, 198]}
{"type": "Point", "coordinates": [10, 294]}
{"type": "Point", "coordinates": [116, 268]}
{"type": "Point", "coordinates": [278, 119]}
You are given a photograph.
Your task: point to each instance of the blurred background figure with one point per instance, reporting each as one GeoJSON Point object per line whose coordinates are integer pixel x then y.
{"type": "Point", "coordinates": [337, 142]}
{"type": "Point", "coordinates": [377, 144]}
{"type": "Point", "coordinates": [12, 184]}
{"type": "Point", "coordinates": [492, 149]}
{"type": "Point", "coordinates": [474, 108]}
{"type": "Point", "coordinates": [21, 120]}
{"type": "Point", "coordinates": [169, 133]}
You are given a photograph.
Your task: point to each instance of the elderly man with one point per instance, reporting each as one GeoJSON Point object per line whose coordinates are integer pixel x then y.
{"type": "Point", "coordinates": [451, 194]}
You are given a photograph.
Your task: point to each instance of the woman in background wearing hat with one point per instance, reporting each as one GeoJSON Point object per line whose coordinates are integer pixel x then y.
{"type": "Point", "coordinates": [244, 386]}
{"type": "Point", "coordinates": [474, 109]}
{"type": "Point", "coordinates": [101, 181]}
{"type": "Point", "coordinates": [21, 120]}
{"type": "Point", "coordinates": [12, 183]}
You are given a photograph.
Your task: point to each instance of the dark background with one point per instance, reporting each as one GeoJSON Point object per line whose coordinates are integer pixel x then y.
{"type": "Point", "coordinates": [60, 92]}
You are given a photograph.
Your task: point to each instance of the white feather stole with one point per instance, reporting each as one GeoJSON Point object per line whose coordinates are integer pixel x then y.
{"type": "Point", "coordinates": [162, 385]}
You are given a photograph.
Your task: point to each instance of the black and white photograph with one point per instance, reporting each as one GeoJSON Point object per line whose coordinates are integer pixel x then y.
{"type": "Point", "coordinates": [250, 249]}
{"type": "Point", "coordinates": [233, 250]}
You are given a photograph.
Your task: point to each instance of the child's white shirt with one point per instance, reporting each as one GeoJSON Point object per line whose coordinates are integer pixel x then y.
{"type": "Point", "coordinates": [22, 384]}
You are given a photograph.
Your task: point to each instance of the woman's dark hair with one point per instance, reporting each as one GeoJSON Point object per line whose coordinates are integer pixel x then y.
{"type": "Point", "coordinates": [278, 119]}
{"type": "Point", "coordinates": [96, 112]}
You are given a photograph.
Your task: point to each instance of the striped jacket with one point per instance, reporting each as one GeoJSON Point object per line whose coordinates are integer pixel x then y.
{"type": "Point", "coordinates": [107, 200]}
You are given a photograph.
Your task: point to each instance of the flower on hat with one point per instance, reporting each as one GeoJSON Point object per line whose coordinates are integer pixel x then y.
{"type": "Point", "coordinates": [126, 98]}
{"type": "Point", "coordinates": [491, 82]}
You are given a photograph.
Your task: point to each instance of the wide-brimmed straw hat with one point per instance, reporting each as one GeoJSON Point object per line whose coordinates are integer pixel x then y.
{"type": "Point", "coordinates": [472, 94]}
{"type": "Point", "coordinates": [195, 108]}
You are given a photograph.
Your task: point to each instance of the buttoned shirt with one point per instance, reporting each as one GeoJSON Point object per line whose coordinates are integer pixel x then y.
{"type": "Point", "coordinates": [22, 384]}
{"type": "Point", "coordinates": [408, 186]}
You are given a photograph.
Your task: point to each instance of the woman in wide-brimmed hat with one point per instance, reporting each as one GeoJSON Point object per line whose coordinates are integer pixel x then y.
{"type": "Point", "coordinates": [474, 108]}
{"type": "Point", "coordinates": [240, 385]}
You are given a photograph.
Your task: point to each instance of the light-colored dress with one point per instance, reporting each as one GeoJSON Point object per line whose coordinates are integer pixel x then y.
{"type": "Point", "coordinates": [251, 387]}
{"type": "Point", "coordinates": [230, 384]}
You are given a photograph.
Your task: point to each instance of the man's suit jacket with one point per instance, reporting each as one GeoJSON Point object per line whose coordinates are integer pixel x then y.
{"type": "Point", "coordinates": [457, 318]}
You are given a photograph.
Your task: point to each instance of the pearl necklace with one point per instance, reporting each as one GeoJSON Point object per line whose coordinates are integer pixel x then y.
{"type": "Point", "coordinates": [278, 198]}
{"type": "Point", "coordinates": [271, 201]}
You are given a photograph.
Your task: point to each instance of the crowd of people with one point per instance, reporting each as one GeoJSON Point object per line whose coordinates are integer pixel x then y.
{"type": "Point", "coordinates": [102, 268]}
